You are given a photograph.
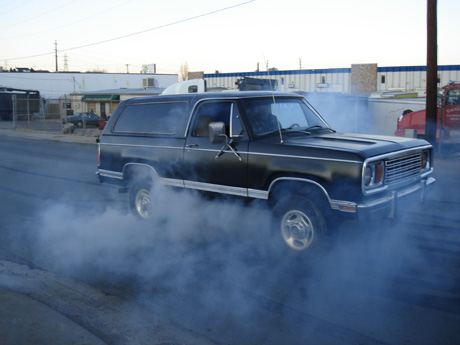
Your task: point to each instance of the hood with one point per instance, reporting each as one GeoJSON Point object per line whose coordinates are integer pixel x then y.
{"type": "Point", "coordinates": [364, 144]}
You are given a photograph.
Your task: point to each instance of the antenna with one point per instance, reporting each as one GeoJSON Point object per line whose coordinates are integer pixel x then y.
{"type": "Point", "coordinates": [274, 103]}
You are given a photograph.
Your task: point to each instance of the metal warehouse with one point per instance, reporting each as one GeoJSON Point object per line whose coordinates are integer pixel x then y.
{"type": "Point", "coordinates": [359, 79]}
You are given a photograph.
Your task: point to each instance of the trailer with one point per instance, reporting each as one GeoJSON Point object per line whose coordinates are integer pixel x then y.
{"type": "Point", "coordinates": [21, 102]}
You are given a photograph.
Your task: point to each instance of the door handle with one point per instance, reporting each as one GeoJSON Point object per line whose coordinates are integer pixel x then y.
{"type": "Point", "coordinates": [192, 145]}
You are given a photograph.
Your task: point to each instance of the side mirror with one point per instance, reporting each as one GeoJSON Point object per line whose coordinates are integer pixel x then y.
{"type": "Point", "coordinates": [217, 132]}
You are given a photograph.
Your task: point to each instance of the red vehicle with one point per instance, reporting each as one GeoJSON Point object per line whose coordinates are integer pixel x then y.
{"type": "Point", "coordinates": [102, 123]}
{"type": "Point", "coordinates": [448, 117]}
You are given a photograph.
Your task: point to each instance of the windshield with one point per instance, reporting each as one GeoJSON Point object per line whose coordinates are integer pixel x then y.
{"type": "Point", "coordinates": [293, 114]}
{"type": "Point", "coordinates": [453, 97]}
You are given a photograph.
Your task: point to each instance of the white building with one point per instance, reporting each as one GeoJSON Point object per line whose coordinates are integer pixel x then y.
{"type": "Point", "coordinates": [61, 90]}
{"type": "Point", "coordinates": [59, 85]}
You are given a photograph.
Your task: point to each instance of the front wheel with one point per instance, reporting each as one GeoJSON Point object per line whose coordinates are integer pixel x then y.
{"type": "Point", "coordinates": [300, 223]}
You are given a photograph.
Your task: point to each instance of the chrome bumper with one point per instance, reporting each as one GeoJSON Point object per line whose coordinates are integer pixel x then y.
{"type": "Point", "coordinates": [388, 205]}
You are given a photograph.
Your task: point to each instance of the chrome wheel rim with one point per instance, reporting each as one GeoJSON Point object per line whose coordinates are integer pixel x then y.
{"type": "Point", "coordinates": [142, 203]}
{"type": "Point", "coordinates": [297, 230]}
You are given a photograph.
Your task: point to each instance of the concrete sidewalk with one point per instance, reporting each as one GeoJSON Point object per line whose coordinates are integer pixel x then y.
{"type": "Point", "coordinates": [26, 321]}
{"type": "Point", "coordinates": [40, 307]}
{"type": "Point", "coordinates": [72, 138]}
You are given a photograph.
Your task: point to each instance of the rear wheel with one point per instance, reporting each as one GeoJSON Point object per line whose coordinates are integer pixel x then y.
{"type": "Point", "coordinates": [141, 199]}
{"type": "Point", "coordinates": [300, 223]}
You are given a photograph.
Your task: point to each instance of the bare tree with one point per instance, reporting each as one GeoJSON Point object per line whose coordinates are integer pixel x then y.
{"type": "Point", "coordinates": [183, 72]}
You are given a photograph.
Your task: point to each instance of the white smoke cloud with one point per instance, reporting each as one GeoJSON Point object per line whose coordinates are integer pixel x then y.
{"type": "Point", "coordinates": [216, 257]}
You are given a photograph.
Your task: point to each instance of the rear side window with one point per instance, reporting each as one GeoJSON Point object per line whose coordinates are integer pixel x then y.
{"type": "Point", "coordinates": [153, 118]}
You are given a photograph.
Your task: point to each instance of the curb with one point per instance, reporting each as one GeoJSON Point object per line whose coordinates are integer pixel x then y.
{"type": "Point", "coordinates": [49, 136]}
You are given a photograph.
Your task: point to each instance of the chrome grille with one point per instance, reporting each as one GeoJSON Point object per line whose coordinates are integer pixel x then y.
{"type": "Point", "coordinates": [403, 168]}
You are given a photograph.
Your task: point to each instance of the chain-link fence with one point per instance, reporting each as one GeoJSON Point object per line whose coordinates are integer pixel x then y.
{"type": "Point", "coordinates": [48, 115]}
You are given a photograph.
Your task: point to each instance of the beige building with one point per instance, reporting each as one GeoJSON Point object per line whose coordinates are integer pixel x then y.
{"type": "Point", "coordinates": [104, 102]}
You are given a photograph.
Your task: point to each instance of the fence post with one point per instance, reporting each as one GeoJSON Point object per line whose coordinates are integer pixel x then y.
{"type": "Point", "coordinates": [28, 111]}
{"type": "Point", "coordinates": [42, 111]}
{"type": "Point", "coordinates": [14, 111]}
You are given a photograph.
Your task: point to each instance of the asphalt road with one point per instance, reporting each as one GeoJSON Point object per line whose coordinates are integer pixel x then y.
{"type": "Point", "coordinates": [207, 265]}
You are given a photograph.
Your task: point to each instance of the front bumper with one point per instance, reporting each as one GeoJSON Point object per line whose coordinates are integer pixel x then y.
{"type": "Point", "coordinates": [389, 205]}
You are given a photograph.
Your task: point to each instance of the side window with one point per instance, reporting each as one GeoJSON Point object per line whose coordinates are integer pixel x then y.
{"type": "Point", "coordinates": [211, 111]}
{"type": "Point", "coordinates": [236, 128]}
{"type": "Point", "coordinates": [154, 118]}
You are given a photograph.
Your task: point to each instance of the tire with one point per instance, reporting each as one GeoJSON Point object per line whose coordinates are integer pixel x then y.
{"type": "Point", "coordinates": [300, 224]}
{"type": "Point", "coordinates": [79, 124]}
{"type": "Point", "coordinates": [141, 200]}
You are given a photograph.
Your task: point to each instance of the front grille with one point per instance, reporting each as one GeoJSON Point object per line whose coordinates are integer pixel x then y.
{"type": "Point", "coordinates": [403, 168]}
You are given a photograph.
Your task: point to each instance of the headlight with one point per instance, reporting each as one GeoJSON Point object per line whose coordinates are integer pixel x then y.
{"type": "Point", "coordinates": [374, 174]}
{"type": "Point", "coordinates": [425, 160]}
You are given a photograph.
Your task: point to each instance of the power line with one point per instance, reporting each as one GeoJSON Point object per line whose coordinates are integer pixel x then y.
{"type": "Point", "coordinates": [141, 32]}
{"type": "Point", "coordinates": [5, 11]}
{"type": "Point", "coordinates": [163, 26]}
{"type": "Point", "coordinates": [39, 15]}
{"type": "Point", "coordinates": [104, 12]}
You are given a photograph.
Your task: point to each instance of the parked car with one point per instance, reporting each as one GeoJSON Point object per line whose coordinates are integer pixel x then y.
{"type": "Point", "coordinates": [102, 123]}
{"type": "Point", "coordinates": [82, 119]}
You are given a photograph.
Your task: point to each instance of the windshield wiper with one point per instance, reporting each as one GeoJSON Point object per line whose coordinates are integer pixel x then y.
{"type": "Point", "coordinates": [291, 130]}
{"type": "Point", "coordinates": [314, 127]}
{"type": "Point", "coordinates": [303, 131]}
{"type": "Point", "coordinates": [320, 127]}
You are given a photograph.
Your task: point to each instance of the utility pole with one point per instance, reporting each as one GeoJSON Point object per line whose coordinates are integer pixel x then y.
{"type": "Point", "coordinates": [66, 65]}
{"type": "Point", "coordinates": [431, 73]}
{"type": "Point", "coordinates": [127, 70]}
{"type": "Point", "coordinates": [55, 55]}
{"type": "Point", "coordinates": [300, 63]}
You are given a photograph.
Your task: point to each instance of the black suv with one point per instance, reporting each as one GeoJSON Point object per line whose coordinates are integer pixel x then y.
{"type": "Point", "coordinates": [260, 145]}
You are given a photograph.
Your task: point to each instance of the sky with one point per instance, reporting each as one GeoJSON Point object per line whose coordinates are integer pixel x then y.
{"type": "Point", "coordinates": [119, 36]}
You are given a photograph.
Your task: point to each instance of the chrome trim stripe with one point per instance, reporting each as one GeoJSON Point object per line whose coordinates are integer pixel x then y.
{"type": "Point", "coordinates": [111, 174]}
{"type": "Point", "coordinates": [339, 205]}
{"type": "Point", "coordinates": [141, 164]}
{"type": "Point", "coordinates": [304, 157]}
{"type": "Point", "coordinates": [216, 188]}
{"type": "Point", "coordinates": [258, 194]}
{"type": "Point", "coordinates": [152, 146]}
{"type": "Point", "coordinates": [301, 180]}
{"type": "Point", "coordinates": [172, 182]}
{"type": "Point", "coordinates": [252, 193]}
{"type": "Point", "coordinates": [240, 152]}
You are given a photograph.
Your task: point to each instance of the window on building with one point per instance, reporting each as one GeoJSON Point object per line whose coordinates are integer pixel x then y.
{"type": "Point", "coordinates": [382, 79]}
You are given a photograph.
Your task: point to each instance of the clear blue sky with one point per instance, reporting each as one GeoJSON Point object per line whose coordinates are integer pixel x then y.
{"type": "Point", "coordinates": [224, 35]}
